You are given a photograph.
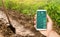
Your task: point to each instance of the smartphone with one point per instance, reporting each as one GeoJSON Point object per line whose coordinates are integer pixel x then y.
{"type": "Point", "coordinates": [41, 20]}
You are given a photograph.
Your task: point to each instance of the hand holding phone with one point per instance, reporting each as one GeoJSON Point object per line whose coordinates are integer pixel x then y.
{"type": "Point", "coordinates": [49, 25]}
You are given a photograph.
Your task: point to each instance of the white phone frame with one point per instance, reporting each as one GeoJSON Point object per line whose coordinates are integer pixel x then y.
{"type": "Point", "coordinates": [36, 20]}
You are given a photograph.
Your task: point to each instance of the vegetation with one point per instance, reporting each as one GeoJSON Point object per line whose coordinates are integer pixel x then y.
{"type": "Point", "coordinates": [29, 7]}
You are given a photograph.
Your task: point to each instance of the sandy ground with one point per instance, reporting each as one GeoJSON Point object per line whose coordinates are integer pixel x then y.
{"type": "Point", "coordinates": [23, 24]}
{"type": "Point", "coordinates": [21, 30]}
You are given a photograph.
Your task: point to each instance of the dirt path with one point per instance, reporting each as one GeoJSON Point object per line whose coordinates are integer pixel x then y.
{"type": "Point", "coordinates": [3, 17]}
{"type": "Point", "coordinates": [19, 28]}
{"type": "Point", "coordinates": [23, 24]}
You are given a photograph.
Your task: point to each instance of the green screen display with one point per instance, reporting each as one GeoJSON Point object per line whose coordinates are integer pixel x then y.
{"type": "Point", "coordinates": [41, 19]}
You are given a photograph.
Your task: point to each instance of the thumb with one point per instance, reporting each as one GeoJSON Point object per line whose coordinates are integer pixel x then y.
{"type": "Point", "coordinates": [35, 26]}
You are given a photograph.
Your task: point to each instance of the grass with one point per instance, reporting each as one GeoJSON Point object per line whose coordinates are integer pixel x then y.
{"type": "Point", "coordinates": [29, 7]}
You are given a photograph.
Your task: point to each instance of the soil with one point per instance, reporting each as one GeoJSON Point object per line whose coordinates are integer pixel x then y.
{"type": "Point", "coordinates": [24, 22]}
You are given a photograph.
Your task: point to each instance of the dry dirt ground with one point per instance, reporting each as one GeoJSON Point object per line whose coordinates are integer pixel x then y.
{"type": "Point", "coordinates": [23, 24]}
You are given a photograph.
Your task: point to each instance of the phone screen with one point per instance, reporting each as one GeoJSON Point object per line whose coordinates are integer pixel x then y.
{"type": "Point", "coordinates": [41, 20]}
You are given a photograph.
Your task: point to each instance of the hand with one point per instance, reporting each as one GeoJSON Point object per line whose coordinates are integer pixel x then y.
{"type": "Point", "coordinates": [49, 26]}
